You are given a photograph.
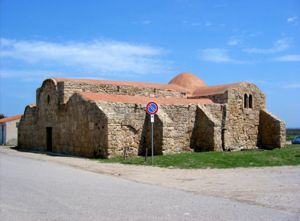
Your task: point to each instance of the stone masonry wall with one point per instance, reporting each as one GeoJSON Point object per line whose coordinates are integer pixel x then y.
{"type": "Point", "coordinates": [180, 124]}
{"type": "Point", "coordinates": [168, 144]}
{"type": "Point", "coordinates": [221, 98]}
{"type": "Point", "coordinates": [207, 131]}
{"type": "Point", "coordinates": [272, 132]}
{"type": "Point", "coordinates": [129, 128]}
{"type": "Point", "coordinates": [90, 128]}
{"type": "Point", "coordinates": [38, 118]}
{"type": "Point", "coordinates": [28, 133]}
{"type": "Point", "coordinates": [81, 129]}
{"type": "Point", "coordinates": [125, 127]}
{"type": "Point", "coordinates": [179, 129]}
{"type": "Point", "coordinates": [241, 124]}
{"type": "Point", "coordinates": [78, 127]}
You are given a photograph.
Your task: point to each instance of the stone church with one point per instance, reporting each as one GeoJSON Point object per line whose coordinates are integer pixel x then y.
{"type": "Point", "coordinates": [105, 118]}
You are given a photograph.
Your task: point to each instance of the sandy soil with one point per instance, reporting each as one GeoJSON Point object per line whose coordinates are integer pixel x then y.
{"type": "Point", "coordinates": [272, 187]}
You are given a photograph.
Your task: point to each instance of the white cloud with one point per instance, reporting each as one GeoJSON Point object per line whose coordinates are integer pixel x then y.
{"type": "Point", "coordinates": [146, 22]}
{"type": "Point", "coordinates": [35, 75]}
{"type": "Point", "coordinates": [196, 24]}
{"type": "Point", "coordinates": [208, 24]}
{"type": "Point", "coordinates": [292, 86]}
{"type": "Point", "coordinates": [292, 19]}
{"type": "Point", "coordinates": [218, 55]}
{"type": "Point", "coordinates": [142, 22]}
{"type": "Point", "coordinates": [241, 36]}
{"type": "Point", "coordinates": [278, 46]}
{"type": "Point", "coordinates": [18, 73]}
{"type": "Point", "coordinates": [97, 56]}
{"type": "Point", "coordinates": [235, 40]}
{"type": "Point", "coordinates": [289, 58]}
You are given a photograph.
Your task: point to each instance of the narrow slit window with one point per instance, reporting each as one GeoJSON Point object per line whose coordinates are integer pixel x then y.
{"type": "Point", "coordinates": [48, 99]}
{"type": "Point", "coordinates": [250, 101]}
{"type": "Point", "coordinates": [246, 101]}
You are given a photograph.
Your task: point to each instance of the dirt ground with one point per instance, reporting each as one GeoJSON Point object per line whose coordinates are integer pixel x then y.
{"type": "Point", "coordinates": [272, 187]}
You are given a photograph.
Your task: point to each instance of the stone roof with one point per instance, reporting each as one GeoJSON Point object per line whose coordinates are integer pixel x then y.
{"type": "Point", "coordinates": [217, 89]}
{"type": "Point", "coordinates": [140, 100]}
{"type": "Point", "coordinates": [185, 82]}
{"type": "Point", "coordinates": [8, 119]}
{"type": "Point", "coordinates": [124, 83]}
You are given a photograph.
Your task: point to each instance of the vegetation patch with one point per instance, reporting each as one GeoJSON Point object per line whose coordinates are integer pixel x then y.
{"type": "Point", "coordinates": [291, 133]}
{"type": "Point", "coordinates": [255, 158]}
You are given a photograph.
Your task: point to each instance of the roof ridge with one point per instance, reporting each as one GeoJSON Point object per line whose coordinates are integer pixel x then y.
{"type": "Point", "coordinates": [139, 99]}
{"type": "Point", "coordinates": [215, 89]}
{"type": "Point", "coordinates": [124, 83]}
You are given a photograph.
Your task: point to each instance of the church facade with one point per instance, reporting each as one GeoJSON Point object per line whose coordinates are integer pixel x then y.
{"type": "Point", "coordinates": [101, 118]}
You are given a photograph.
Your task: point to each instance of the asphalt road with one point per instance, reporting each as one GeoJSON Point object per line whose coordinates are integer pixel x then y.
{"type": "Point", "coordinates": [41, 190]}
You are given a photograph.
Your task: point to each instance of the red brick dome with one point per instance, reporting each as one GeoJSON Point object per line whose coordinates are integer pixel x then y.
{"type": "Point", "coordinates": [188, 81]}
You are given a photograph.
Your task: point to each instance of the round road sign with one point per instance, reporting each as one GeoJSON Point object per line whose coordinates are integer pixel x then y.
{"type": "Point", "coordinates": [152, 108]}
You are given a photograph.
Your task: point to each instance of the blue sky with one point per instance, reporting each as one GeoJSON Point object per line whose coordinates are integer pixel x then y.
{"type": "Point", "coordinates": [152, 41]}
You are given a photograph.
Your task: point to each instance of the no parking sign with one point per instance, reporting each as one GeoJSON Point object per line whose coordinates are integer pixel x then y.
{"type": "Point", "coordinates": [152, 108]}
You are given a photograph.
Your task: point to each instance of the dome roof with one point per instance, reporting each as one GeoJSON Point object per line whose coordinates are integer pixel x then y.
{"type": "Point", "coordinates": [188, 81]}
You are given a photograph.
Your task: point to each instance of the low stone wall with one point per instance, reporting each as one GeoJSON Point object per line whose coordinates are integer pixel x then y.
{"type": "Point", "coordinates": [272, 132]}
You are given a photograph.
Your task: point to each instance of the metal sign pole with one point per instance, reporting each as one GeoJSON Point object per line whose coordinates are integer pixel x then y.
{"type": "Point", "coordinates": [152, 142]}
{"type": "Point", "coordinates": [151, 109]}
{"type": "Point", "coordinates": [152, 149]}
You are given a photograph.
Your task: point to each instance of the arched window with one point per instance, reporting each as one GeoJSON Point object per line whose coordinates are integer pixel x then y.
{"type": "Point", "coordinates": [250, 101]}
{"type": "Point", "coordinates": [48, 99]}
{"type": "Point", "coordinates": [246, 101]}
